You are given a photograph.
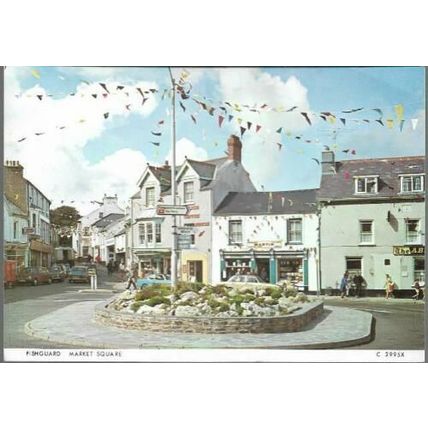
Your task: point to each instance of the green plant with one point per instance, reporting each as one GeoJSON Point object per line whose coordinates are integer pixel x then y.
{"type": "Point", "coordinates": [223, 307]}
{"type": "Point", "coordinates": [259, 301]}
{"type": "Point", "coordinates": [238, 299]}
{"type": "Point", "coordinates": [156, 300]}
{"type": "Point", "coordinates": [290, 291]}
{"type": "Point", "coordinates": [274, 292]}
{"type": "Point", "coordinates": [249, 298]}
{"type": "Point", "coordinates": [136, 305]}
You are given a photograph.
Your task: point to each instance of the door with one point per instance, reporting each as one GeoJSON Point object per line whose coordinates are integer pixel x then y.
{"type": "Point", "coordinates": [194, 268]}
{"type": "Point", "coordinates": [263, 269]}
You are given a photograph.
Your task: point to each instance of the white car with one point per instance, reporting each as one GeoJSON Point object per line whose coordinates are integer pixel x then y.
{"type": "Point", "coordinates": [246, 279]}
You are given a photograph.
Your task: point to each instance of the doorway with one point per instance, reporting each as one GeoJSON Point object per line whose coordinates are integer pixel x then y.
{"type": "Point", "coordinates": [263, 269]}
{"type": "Point", "coordinates": [195, 273]}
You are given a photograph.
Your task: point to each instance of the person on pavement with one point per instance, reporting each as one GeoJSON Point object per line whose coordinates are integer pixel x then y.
{"type": "Point", "coordinates": [389, 287]}
{"type": "Point", "coordinates": [344, 284]}
{"type": "Point", "coordinates": [358, 282]}
{"type": "Point", "coordinates": [132, 278]}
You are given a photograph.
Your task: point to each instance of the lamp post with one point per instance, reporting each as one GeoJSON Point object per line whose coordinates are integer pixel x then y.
{"type": "Point", "coordinates": [173, 189]}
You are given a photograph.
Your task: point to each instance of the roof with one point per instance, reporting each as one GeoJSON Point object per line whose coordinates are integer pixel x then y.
{"type": "Point", "coordinates": [29, 182]}
{"type": "Point", "coordinates": [107, 220]}
{"type": "Point", "coordinates": [203, 169]}
{"type": "Point", "coordinates": [341, 186]}
{"type": "Point", "coordinates": [253, 203]}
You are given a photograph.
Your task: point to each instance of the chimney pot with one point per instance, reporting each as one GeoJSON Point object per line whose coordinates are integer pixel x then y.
{"type": "Point", "coordinates": [166, 162]}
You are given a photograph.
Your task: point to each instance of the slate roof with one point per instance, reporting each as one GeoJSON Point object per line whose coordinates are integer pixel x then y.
{"type": "Point", "coordinates": [341, 186]}
{"type": "Point", "coordinates": [254, 203]}
{"type": "Point", "coordinates": [107, 220]}
{"type": "Point", "coordinates": [203, 169]}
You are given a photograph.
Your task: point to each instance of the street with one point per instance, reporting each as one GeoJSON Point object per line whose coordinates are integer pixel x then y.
{"type": "Point", "coordinates": [24, 303]}
{"type": "Point", "coordinates": [399, 323]}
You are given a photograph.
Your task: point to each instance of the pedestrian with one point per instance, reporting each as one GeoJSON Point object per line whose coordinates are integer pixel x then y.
{"type": "Point", "coordinates": [389, 286]}
{"type": "Point", "coordinates": [132, 278]}
{"type": "Point", "coordinates": [122, 270]}
{"type": "Point", "coordinates": [358, 282]}
{"type": "Point", "coordinates": [418, 290]}
{"type": "Point", "coordinates": [109, 267]}
{"type": "Point", "coordinates": [344, 284]}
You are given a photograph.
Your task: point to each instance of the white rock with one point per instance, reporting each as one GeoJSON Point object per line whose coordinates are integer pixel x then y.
{"type": "Point", "coordinates": [189, 295]}
{"type": "Point", "coordinates": [284, 302]}
{"type": "Point", "coordinates": [186, 311]}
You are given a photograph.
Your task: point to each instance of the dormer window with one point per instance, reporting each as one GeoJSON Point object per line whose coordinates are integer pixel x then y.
{"type": "Point", "coordinates": [150, 196]}
{"type": "Point", "coordinates": [412, 183]}
{"type": "Point", "coordinates": [366, 184]}
{"type": "Point", "coordinates": [188, 192]}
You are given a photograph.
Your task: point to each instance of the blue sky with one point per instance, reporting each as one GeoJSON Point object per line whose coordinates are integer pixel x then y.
{"type": "Point", "coordinates": [312, 89]}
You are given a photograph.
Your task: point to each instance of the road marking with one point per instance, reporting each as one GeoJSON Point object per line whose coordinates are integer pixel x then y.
{"type": "Point", "coordinates": [377, 310]}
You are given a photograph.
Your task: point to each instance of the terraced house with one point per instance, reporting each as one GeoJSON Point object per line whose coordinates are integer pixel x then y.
{"type": "Point", "coordinates": [201, 186]}
{"type": "Point", "coordinates": [373, 220]}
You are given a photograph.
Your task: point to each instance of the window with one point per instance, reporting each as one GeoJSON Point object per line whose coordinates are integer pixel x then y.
{"type": "Point", "coordinates": [192, 239]}
{"type": "Point", "coordinates": [158, 232]}
{"type": "Point", "coordinates": [188, 192]}
{"type": "Point", "coordinates": [15, 229]}
{"type": "Point", "coordinates": [101, 215]}
{"type": "Point", "coordinates": [295, 230]}
{"type": "Point", "coordinates": [366, 232]}
{"type": "Point", "coordinates": [150, 197]}
{"type": "Point", "coordinates": [387, 262]}
{"type": "Point", "coordinates": [412, 231]}
{"type": "Point", "coordinates": [149, 229]}
{"type": "Point", "coordinates": [235, 232]}
{"type": "Point", "coordinates": [419, 269]}
{"type": "Point", "coordinates": [142, 232]}
{"type": "Point", "coordinates": [353, 265]}
{"type": "Point", "coordinates": [366, 185]}
{"type": "Point", "coordinates": [34, 221]}
{"type": "Point", "coordinates": [86, 231]}
{"type": "Point", "coordinates": [412, 183]}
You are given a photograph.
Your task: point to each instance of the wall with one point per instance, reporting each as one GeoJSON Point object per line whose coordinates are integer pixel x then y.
{"type": "Point", "coordinates": [340, 238]}
{"type": "Point", "coordinates": [10, 216]}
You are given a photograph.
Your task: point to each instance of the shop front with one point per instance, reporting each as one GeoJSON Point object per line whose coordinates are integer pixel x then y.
{"type": "Point", "coordinates": [40, 254]}
{"type": "Point", "coordinates": [194, 266]}
{"type": "Point", "coordinates": [272, 266]}
{"type": "Point", "coordinates": [153, 262]}
{"type": "Point", "coordinates": [18, 253]}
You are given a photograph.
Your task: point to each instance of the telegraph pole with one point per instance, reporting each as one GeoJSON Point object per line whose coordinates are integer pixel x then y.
{"type": "Point", "coordinates": [173, 189]}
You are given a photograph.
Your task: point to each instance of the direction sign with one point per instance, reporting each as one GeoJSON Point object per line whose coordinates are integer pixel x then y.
{"type": "Point", "coordinates": [185, 230]}
{"type": "Point", "coordinates": [171, 209]}
{"type": "Point", "coordinates": [184, 242]}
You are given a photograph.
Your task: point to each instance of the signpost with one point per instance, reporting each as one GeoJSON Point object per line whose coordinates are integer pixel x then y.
{"type": "Point", "coordinates": [185, 230]}
{"type": "Point", "coordinates": [171, 210]}
{"type": "Point", "coordinates": [184, 242]}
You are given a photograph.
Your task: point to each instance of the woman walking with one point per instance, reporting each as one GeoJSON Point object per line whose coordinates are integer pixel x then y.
{"type": "Point", "coordinates": [344, 284]}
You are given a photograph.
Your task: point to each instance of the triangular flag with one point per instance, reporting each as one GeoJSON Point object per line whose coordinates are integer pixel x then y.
{"type": "Point", "coordinates": [279, 146]}
{"type": "Point", "coordinates": [279, 130]}
{"type": "Point", "coordinates": [239, 120]}
{"type": "Point", "coordinates": [390, 123]}
{"type": "Point", "coordinates": [399, 111]}
{"type": "Point", "coordinates": [343, 120]}
{"type": "Point", "coordinates": [104, 86]}
{"type": "Point", "coordinates": [155, 144]}
{"type": "Point", "coordinates": [193, 118]}
{"type": "Point", "coordinates": [105, 95]}
{"type": "Point", "coordinates": [40, 97]}
{"type": "Point", "coordinates": [230, 117]}
{"type": "Point", "coordinates": [182, 106]}
{"type": "Point", "coordinates": [401, 125]}
{"type": "Point", "coordinates": [220, 120]}
{"type": "Point", "coordinates": [94, 95]}
{"type": "Point", "coordinates": [305, 115]}
{"type": "Point", "coordinates": [379, 111]}
{"type": "Point", "coordinates": [414, 123]}
{"type": "Point", "coordinates": [249, 125]}
{"type": "Point", "coordinates": [258, 127]}
{"type": "Point", "coordinates": [211, 111]}
{"type": "Point", "coordinates": [323, 117]}
{"type": "Point", "coordinates": [158, 134]}
{"type": "Point", "coordinates": [380, 121]}
{"type": "Point", "coordinates": [161, 122]}
{"type": "Point", "coordinates": [22, 139]}
{"type": "Point", "coordinates": [127, 106]}
{"type": "Point", "coordinates": [36, 74]}
{"type": "Point", "coordinates": [119, 87]}
{"type": "Point", "coordinates": [242, 131]}
{"type": "Point", "coordinates": [332, 119]}
{"type": "Point", "coordinates": [106, 115]}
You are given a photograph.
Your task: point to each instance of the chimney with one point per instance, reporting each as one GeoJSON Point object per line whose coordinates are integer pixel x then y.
{"type": "Point", "coordinates": [15, 185]}
{"type": "Point", "coordinates": [234, 148]}
{"type": "Point", "coordinates": [328, 164]}
{"type": "Point", "coordinates": [166, 163]}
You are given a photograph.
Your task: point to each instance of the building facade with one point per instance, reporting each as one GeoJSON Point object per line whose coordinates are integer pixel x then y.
{"type": "Point", "coordinates": [372, 220]}
{"type": "Point", "coordinates": [29, 201]}
{"type": "Point", "coordinates": [201, 186]}
{"type": "Point", "coordinates": [272, 234]}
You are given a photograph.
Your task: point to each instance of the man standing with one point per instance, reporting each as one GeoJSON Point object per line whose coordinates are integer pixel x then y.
{"type": "Point", "coordinates": [358, 282]}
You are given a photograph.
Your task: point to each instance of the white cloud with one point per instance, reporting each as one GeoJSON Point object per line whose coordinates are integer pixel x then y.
{"type": "Point", "coordinates": [252, 86]}
{"type": "Point", "coordinates": [55, 162]}
{"type": "Point", "coordinates": [187, 148]}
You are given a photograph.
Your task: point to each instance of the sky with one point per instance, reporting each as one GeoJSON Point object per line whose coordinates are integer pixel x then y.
{"type": "Point", "coordinates": [99, 141]}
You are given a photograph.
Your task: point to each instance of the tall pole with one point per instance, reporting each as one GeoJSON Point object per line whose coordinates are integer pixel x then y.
{"type": "Point", "coordinates": [173, 189]}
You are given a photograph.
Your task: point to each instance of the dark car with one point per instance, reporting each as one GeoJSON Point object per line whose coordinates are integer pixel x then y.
{"type": "Point", "coordinates": [34, 276]}
{"type": "Point", "coordinates": [79, 274]}
{"type": "Point", "coordinates": [57, 273]}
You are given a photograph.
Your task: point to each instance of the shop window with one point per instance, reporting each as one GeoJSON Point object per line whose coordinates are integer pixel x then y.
{"type": "Point", "coordinates": [419, 269]}
{"type": "Point", "coordinates": [149, 230]}
{"type": "Point", "coordinates": [142, 233]}
{"type": "Point", "coordinates": [295, 230]}
{"type": "Point", "coordinates": [412, 183]}
{"type": "Point", "coordinates": [188, 192]}
{"type": "Point", "coordinates": [235, 232]}
{"type": "Point", "coordinates": [158, 232]}
{"type": "Point", "coordinates": [353, 265]}
{"type": "Point", "coordinates": [366, 185]}
{"type": "Point", "coordinates": [412, 231]}
{"type": "Point", "coordinates": [290, 270]}
{"type": "Point", "coordinates": [366, 232]}
{"type": "Point", "coordinates": [150, 197]}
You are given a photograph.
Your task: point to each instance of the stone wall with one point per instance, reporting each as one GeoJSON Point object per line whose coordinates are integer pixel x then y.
{"type": "Point", "coordinates": [173, 324]}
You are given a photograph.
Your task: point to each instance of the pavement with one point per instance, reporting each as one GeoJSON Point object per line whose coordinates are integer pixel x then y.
{"type": "Point", "coordinates": [74, 325]}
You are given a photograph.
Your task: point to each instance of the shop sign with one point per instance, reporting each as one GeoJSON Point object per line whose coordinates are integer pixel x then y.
{"type": "Point", "coordinates": [409, 250]}
{"type": "Point", "coordinates": [184, 242]}
{"type": "Point", "coordinates": [28, 230]}
{"type": "Point", "coordinates": [183, 230]}
{"type": "Point", "coordinates": [171, 209]}
{"type": "Point", "coordinates": [265, 245]}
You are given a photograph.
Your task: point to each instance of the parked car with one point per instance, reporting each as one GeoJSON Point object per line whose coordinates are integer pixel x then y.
{"type": "Point", "coordinates": [9, 270]}
{"type": "Point", "coordinates": [66, 268]}
{"type": "Point", "coordinates": [79, 274]}
{"type": "Point", "coordinates": [246, 279]}
{"type": "Point", "coordinates": [153, 279]}
{"type": "Point", "coordinates": [57, 273]}
{"type": "Point", "coordinates": [34, 276]}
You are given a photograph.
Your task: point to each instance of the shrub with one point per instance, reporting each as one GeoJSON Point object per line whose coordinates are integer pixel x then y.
{"type": "Point", "coordinates": [237, 299]}
{"type": "Point", "coordinates": [259, 301]}
{"type": "Point", "coordinates": [274, 292]}
{"type": "Point", "coordinates": [249, 298]}
{"type": "Point", "coordinates": [156, 300]}
{"type": "Point", "coordinates": [136, 305]}
{"type": "Point", "coordinates": [183, 286]}
{"type": "Point", "coordinates": [153, 290]}
{"type": "Point", "coordinates": [290, 291]}
{"type": "Point", "coordinates": [223, 307]}
{"type": "Point", "coordinates": [220, 290]}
